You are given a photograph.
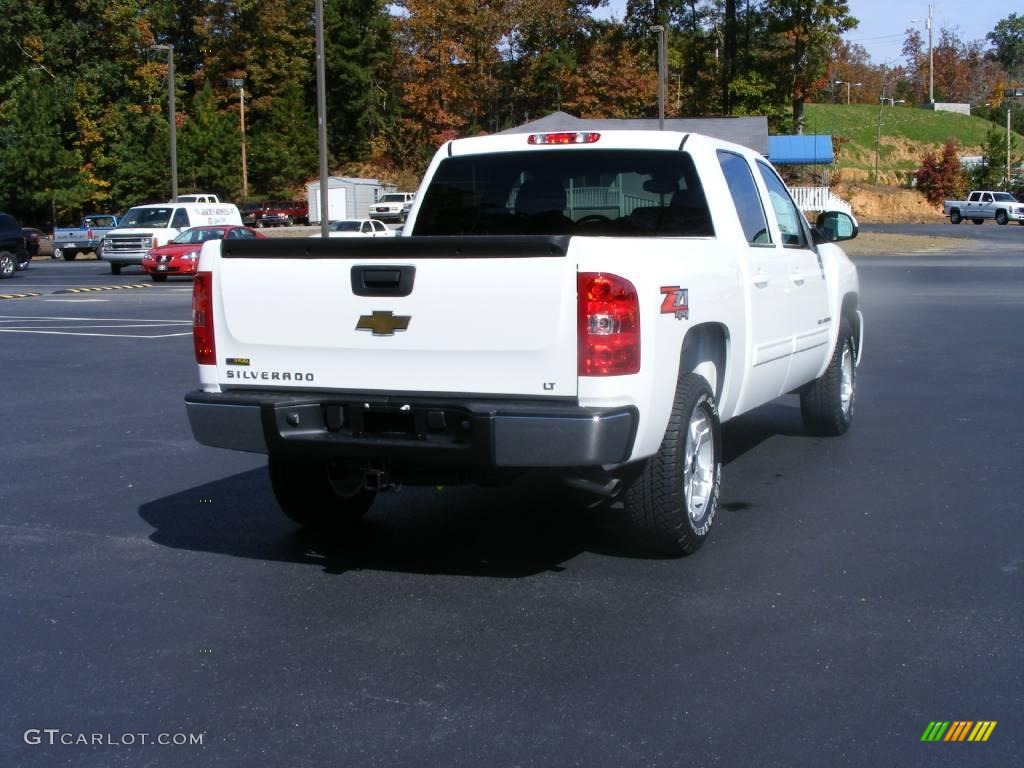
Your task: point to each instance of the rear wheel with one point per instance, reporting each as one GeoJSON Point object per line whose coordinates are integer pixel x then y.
{"type": "Point", "coordinates": [317, 493]}
{"type": "Point", "coordinates": [671, 503]}
{"type": "Point", "coordinates": [1001, 218]}
{"type": "Point", "coordinates": [955, 217]}
{"type": "Point", "coordinates": [69, 255]}
{"type": "Point", "coordinates": [826, 404]}
{"type": "Point", "coordinates": [115, 268]}
{"type": "Point", "coordinates": [57, 253]}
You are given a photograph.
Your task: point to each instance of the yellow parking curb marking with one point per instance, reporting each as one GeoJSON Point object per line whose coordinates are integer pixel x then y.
{"type": "Point", "coordinates": [104, 288]}
{"type": "Point", "coordinates": [18, 295]}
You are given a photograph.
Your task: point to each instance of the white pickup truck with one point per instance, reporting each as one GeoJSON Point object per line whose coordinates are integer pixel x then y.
{"type": "Point", "coordinates": [983, 204]}
{"type": "Point", "coordinates": [589, 303]}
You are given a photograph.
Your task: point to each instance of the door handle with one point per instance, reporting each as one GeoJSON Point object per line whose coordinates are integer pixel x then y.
{"type": "Point", "coordinates": [797, 277]}
{"type": "Point", "coordinates": [760, 279]}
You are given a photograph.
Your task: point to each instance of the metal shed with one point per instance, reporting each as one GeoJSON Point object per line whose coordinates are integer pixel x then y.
{"type": "Point", "coordinates": [347, 197]}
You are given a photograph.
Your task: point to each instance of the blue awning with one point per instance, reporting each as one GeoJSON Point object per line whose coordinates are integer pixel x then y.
{"type": "Point", "coordinates": [800, 150]}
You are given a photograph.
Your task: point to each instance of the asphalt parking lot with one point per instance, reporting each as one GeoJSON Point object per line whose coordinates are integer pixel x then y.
{"type": "Point", "coordinates": [854, 589]}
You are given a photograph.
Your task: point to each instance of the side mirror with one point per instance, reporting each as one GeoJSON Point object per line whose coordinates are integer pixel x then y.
{"type": "Point", "coordinates": [834, 226]}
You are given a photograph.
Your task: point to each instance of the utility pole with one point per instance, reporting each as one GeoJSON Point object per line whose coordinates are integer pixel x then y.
{"type": "Point", "coordinates": [931, 60]}
{"type": "Point", "coordinates": [172, 116]}
{"type": "Point", "coordinates": [321, 115]}
{"type": "Point", "coordinates": [239, 83]}
{"type": "Point", "coordinates": [844, 82]}
{"type": "Point", "coordinates": [662, 55]}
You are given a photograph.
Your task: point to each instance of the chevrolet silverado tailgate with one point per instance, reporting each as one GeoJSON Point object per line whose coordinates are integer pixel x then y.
{"type": "Point", "coordinates": [487, 315]}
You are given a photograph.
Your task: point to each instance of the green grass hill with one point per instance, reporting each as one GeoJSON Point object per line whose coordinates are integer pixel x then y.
{"type": "Point", "coordinates": [907, 132]}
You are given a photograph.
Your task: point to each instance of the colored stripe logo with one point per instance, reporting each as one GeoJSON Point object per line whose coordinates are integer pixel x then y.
{"type": "Point", "coordinates": [959, 730]}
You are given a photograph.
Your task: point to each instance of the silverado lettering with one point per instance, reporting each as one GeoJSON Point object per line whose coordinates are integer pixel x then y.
{"type": "Point", "coordinates": [269, 375]}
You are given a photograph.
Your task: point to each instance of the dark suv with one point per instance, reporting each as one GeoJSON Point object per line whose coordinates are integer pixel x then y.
{"type": "Point", "coordinates": [13, 251]}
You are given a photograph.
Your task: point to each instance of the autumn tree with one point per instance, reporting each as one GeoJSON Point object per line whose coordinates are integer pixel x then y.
{"type": "Point", "coordinates": [940, 177]}
{"type": "Point", "coordinates": [962, 72]}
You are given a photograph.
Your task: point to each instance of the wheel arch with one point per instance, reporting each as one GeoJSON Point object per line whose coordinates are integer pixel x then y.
{"type": "Point", "coordinates": [850, 312]}
{"type": "Point", "coordinates": [705, 350]}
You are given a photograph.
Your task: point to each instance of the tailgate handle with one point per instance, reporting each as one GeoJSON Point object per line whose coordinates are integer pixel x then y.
{"type": "Point", "coordinates": [382, 280]}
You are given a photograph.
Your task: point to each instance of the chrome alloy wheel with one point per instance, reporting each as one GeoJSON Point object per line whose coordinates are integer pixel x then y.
{"type": "Point", "coordinates": [699, 470]}
{"type": "Point", "coordinates": [846, 384]}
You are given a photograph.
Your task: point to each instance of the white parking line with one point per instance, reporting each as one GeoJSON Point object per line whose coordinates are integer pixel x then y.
{"type": "Point", "coordinates": [113, 327]}
{"type": "Point", "coordinates": [107, 335]}
{"type": "Point", "coordinates": [175, 321]}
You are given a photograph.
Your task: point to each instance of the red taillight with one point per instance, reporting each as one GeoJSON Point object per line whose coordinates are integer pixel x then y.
{"type": "Point", "coordinates": [88, 234]}
{"type": "Point", "coordinates": [569, 137]}
{"type": "Point", "coordinates": [202, 319]}
{"type": "Point", "coordinates": [608, 329]}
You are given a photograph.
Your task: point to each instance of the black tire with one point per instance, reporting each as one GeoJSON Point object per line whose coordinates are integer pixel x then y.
{"type": "Point", "coordinates": [57, 253]}
{"type": "Point", "coordinates": [978, 221]}
{"type": "Point", "coordinates": [307, 495]}
{"type": "Point", "coordinates": [258, 223]}
{"type": "Point", "coordinates": [826, 408]}
{"type": "Point", "coordinates": [69, 255]}
{"type": "Point", "coordinates": [670, 507]}
{"type": "Point", "coordinates": [955, 217]}
{"type": "Point", "coordinates": [159, 278]}
{"type": "Point", "coordinates": [115, 268]}
{"type": "Point", "coordinates": [8, 264]}
{"type": "Point", "coordinates": [1001, 218]}
{"type": "Point", "coordinates": [23, 263]}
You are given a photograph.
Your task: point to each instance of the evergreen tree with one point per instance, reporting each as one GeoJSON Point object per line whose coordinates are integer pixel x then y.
{"type": "Point", "coordinates": [209, 148]}
{"type": "Point", "coordinates": [283, 153]}
{"type": "Point", "coordinates": [361, 97]}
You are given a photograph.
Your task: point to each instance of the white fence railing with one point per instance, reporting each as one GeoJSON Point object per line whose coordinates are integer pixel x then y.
{"type": "Point", "coordinates": [819, 199]}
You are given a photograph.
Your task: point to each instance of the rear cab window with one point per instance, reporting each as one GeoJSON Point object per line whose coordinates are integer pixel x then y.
{"type": "Point", "coordinates": [601, 192]}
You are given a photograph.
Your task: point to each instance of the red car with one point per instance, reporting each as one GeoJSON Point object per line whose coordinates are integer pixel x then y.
{"type": "Point", "coordinates": [181, 255]}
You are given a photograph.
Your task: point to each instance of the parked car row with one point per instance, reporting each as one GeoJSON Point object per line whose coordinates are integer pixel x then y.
{"type": "Point", "coordinates": [167, 238]}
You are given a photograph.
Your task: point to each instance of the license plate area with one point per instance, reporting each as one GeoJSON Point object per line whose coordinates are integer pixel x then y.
{"type": "Point", "coordinates": [386, 423]}
{"type": "Point", "coordinates": [398, 422]}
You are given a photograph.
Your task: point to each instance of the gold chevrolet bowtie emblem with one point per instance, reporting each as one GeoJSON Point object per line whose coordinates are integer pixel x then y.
{"type": "Point", "coordinates": [383, 323]}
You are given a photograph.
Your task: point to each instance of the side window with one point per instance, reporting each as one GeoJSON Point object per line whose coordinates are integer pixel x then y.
{"type": "Point", "coordinates": [180, 220]}
{"type": "Point", "coordinates": [366, 227]}
{"type": "Point", "coordinates": [378, 226]}
{"type": "Point", "coordinates": [986, 198]}
{"type": "Point", "coordinates": [787, 214]}
{"type": "Point", "coordinates": [745, 197]}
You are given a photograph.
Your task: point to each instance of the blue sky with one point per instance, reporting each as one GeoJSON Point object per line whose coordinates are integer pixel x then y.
{"type": "Point", "coordinates": [883, 22]}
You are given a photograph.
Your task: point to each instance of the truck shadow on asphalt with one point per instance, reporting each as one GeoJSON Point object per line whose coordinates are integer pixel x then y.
{"type": "Point", "coordinates": [531, 527]}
